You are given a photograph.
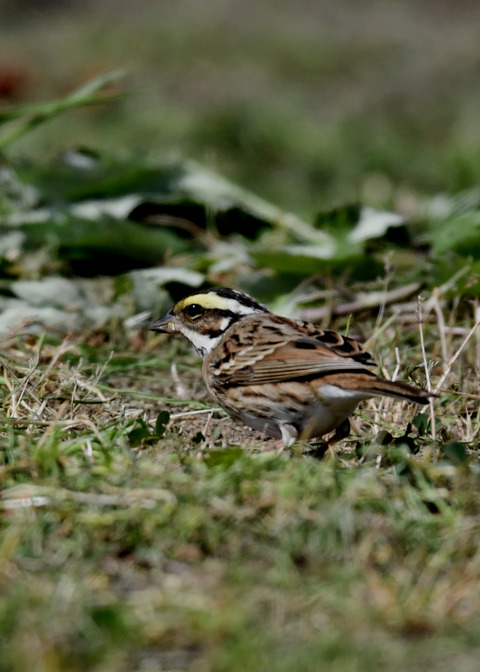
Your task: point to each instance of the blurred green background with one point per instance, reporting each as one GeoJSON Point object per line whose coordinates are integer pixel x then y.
{"type": "Point", "coordinates": [129, 544]}
{"type": "Point", "coordinates": [311, 104]}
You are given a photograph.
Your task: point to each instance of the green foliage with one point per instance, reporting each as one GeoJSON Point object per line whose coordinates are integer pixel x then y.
{"type": "Point", "coordinates": [141, 433]}
{"type": "Point", "coordinates": [157, 224]}
{"type": "Point", "coordinates": [138, 536]}
{"type": "Point", "coordinates": [132, 537]}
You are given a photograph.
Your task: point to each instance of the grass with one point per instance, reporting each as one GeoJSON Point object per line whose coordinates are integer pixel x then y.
{"type": "Point", "coordinates": [140, 528]}
{"type": "Point", "coordinates": [180, 545]}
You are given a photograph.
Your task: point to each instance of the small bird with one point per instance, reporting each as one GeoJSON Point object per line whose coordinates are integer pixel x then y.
{"type": "Point", "coordinates": [289, 379]}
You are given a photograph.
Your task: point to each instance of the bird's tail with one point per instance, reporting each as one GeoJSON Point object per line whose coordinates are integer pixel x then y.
{"type": "Point", "coordinates": [400, 390]}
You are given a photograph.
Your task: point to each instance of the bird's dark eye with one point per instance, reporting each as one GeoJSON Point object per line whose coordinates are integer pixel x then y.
{"type": "Point", "coordinates": [194, 311]}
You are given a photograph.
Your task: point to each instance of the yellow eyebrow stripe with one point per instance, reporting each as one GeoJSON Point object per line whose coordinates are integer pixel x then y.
{"type": "Point", "coordinates": [209, 300]}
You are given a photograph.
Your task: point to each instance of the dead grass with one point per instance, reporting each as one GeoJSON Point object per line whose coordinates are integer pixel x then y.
{"type": "Point", "coordinates": [198, 551]}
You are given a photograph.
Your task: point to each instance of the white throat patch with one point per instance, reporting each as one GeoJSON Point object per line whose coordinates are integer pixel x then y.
{"type": "Point", "coordinates": [203, 343]}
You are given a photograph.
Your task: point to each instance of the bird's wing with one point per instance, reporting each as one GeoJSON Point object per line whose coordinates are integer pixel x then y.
{"type": "Point", "coordinates": [297, 360]}
{"type": "Point", "coordinates": [271, 351]}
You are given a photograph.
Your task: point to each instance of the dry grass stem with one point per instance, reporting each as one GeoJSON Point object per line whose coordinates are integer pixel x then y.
{"type": "Point", "coordinates": [455, 356]}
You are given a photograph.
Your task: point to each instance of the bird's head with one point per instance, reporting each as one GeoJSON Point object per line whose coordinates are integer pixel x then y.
{"type": "Point", "coordinates": [204, 317]}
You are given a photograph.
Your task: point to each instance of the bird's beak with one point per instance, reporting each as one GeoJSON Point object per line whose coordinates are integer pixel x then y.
{"type": "Point", "coordinates": [168, 324]}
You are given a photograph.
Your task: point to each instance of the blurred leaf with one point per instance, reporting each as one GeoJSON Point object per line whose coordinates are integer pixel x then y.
{"type": "Point", "coordinates": [339, 221]}
{"type": "Point", "coordinates": [161, 423]}
{"type": "Point", "coordinates": [82, 175]}
{"type": "Point", "coordinates": [110, 617]}
{"type": "Point", "coordinates": [15, 195]}
{"type": "Point", "coordinates": [376, 224]}
{"type": "Point", "coordinates": [104, 216]}
{"type": "Point", "coordinates": [460, 234]}
{"type": "Point", "coordinates": [240, 206]}
{"type": "Point", "coordinates": [445, 206]}
{"type": "Point", "coordinates": [348, 227]}
{"type": "Point", "coordinates": [182, 189]}
{"type": "Point", "coordinates": [456, 453]}
{"type": "Point", "coordinates": [354, 223]}
{"type": "Point", "coordinates": [139, 433]}
{"type": "Point", "coordinates": [57, 303]}
{"type": "Point", "coordinates": [50, 291]}
{"type": "Point", "coordinates": [148, 284]}
{"type": "Point", "coordinates": [421, 421]}
{"type": "Point", "coordinates": [307, 259]}
{"type": "Point", "coordinates": [105, 246]}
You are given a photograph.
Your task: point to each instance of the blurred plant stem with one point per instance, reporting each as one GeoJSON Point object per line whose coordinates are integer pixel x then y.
{"type": "Point", "coordinates": [25, 118]}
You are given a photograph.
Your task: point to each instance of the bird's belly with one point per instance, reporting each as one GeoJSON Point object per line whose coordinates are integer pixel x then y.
{"type": "Point", "coordinates": [331, 407]}
{"type": "Point", "coordinates": [266, 408]}
{"type": "Point", "coordinates": [322, 418]}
